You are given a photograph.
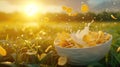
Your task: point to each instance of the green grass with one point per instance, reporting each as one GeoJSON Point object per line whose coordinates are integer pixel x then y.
{"type": "Point", "coordinates": [18, 37]}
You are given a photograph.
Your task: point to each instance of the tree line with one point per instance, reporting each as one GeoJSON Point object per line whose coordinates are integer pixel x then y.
{"type": "Point", "coordinates": [103, 16]}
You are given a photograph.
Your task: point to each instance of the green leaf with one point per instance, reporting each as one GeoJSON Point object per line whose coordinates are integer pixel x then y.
{"type": "Point", "coordinates": [33, 65]}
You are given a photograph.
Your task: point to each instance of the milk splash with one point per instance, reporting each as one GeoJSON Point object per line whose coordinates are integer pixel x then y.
{"type": "Point", "coordinates": [78, 36]}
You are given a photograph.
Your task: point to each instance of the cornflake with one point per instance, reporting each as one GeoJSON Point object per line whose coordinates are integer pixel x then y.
{"type": "Point", "coordinates": [62, 60]}
{"type": "Point", "coordinates": [118, 49]}
{"type": "Point", "coordinates": [2, 51]}
{"type": "Point", "coordinates": [84, 8]}
{"type": "Point", "coordinates": [82, 39]}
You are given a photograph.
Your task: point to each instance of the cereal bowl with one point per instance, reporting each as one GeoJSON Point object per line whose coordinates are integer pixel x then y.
{"type": "Point", "coordinates": [84, 56]}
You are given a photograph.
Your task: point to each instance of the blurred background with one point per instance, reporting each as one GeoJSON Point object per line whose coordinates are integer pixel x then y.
{"type": "Point", "coordinates": [33, 25]}
{"type": "Point", "coordinates": [37, 10]}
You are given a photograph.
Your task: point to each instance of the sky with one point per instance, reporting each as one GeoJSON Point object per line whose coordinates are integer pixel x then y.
{"type": "Point", "coordinates": [10, 6]}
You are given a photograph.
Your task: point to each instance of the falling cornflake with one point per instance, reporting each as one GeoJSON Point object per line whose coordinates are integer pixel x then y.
{"type": "Point", "coordinates": [69, 11]}
{"type": "Point", "coordinates": [113, 17]}
{"type": "Point", "coordinates": [2, 51]}
{"type": "Point", "coordinates": [84, 8]}
{"type": "Point", "coordinates": [118, 49]}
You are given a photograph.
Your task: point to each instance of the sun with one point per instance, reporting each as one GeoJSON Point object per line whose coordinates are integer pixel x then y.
{"type": "Point", "coordinates": [31, 9]}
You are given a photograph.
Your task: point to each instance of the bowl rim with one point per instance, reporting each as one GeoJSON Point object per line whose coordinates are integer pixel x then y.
{"type": "Point", "coordinates": [98, 45]}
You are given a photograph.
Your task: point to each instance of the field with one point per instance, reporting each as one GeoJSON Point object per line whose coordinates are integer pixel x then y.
{"type": "Point", "coordinates": [26, 43]}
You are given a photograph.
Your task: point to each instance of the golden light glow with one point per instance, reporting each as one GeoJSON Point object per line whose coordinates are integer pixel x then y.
{"type": "Point", "coordinates": [31, 9]}
{"type": "Point", "coordinates": [31, 24]}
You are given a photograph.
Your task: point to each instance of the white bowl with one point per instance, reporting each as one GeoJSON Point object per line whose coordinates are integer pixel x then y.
{"type": "Point", "coordinates": [84, 56]}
